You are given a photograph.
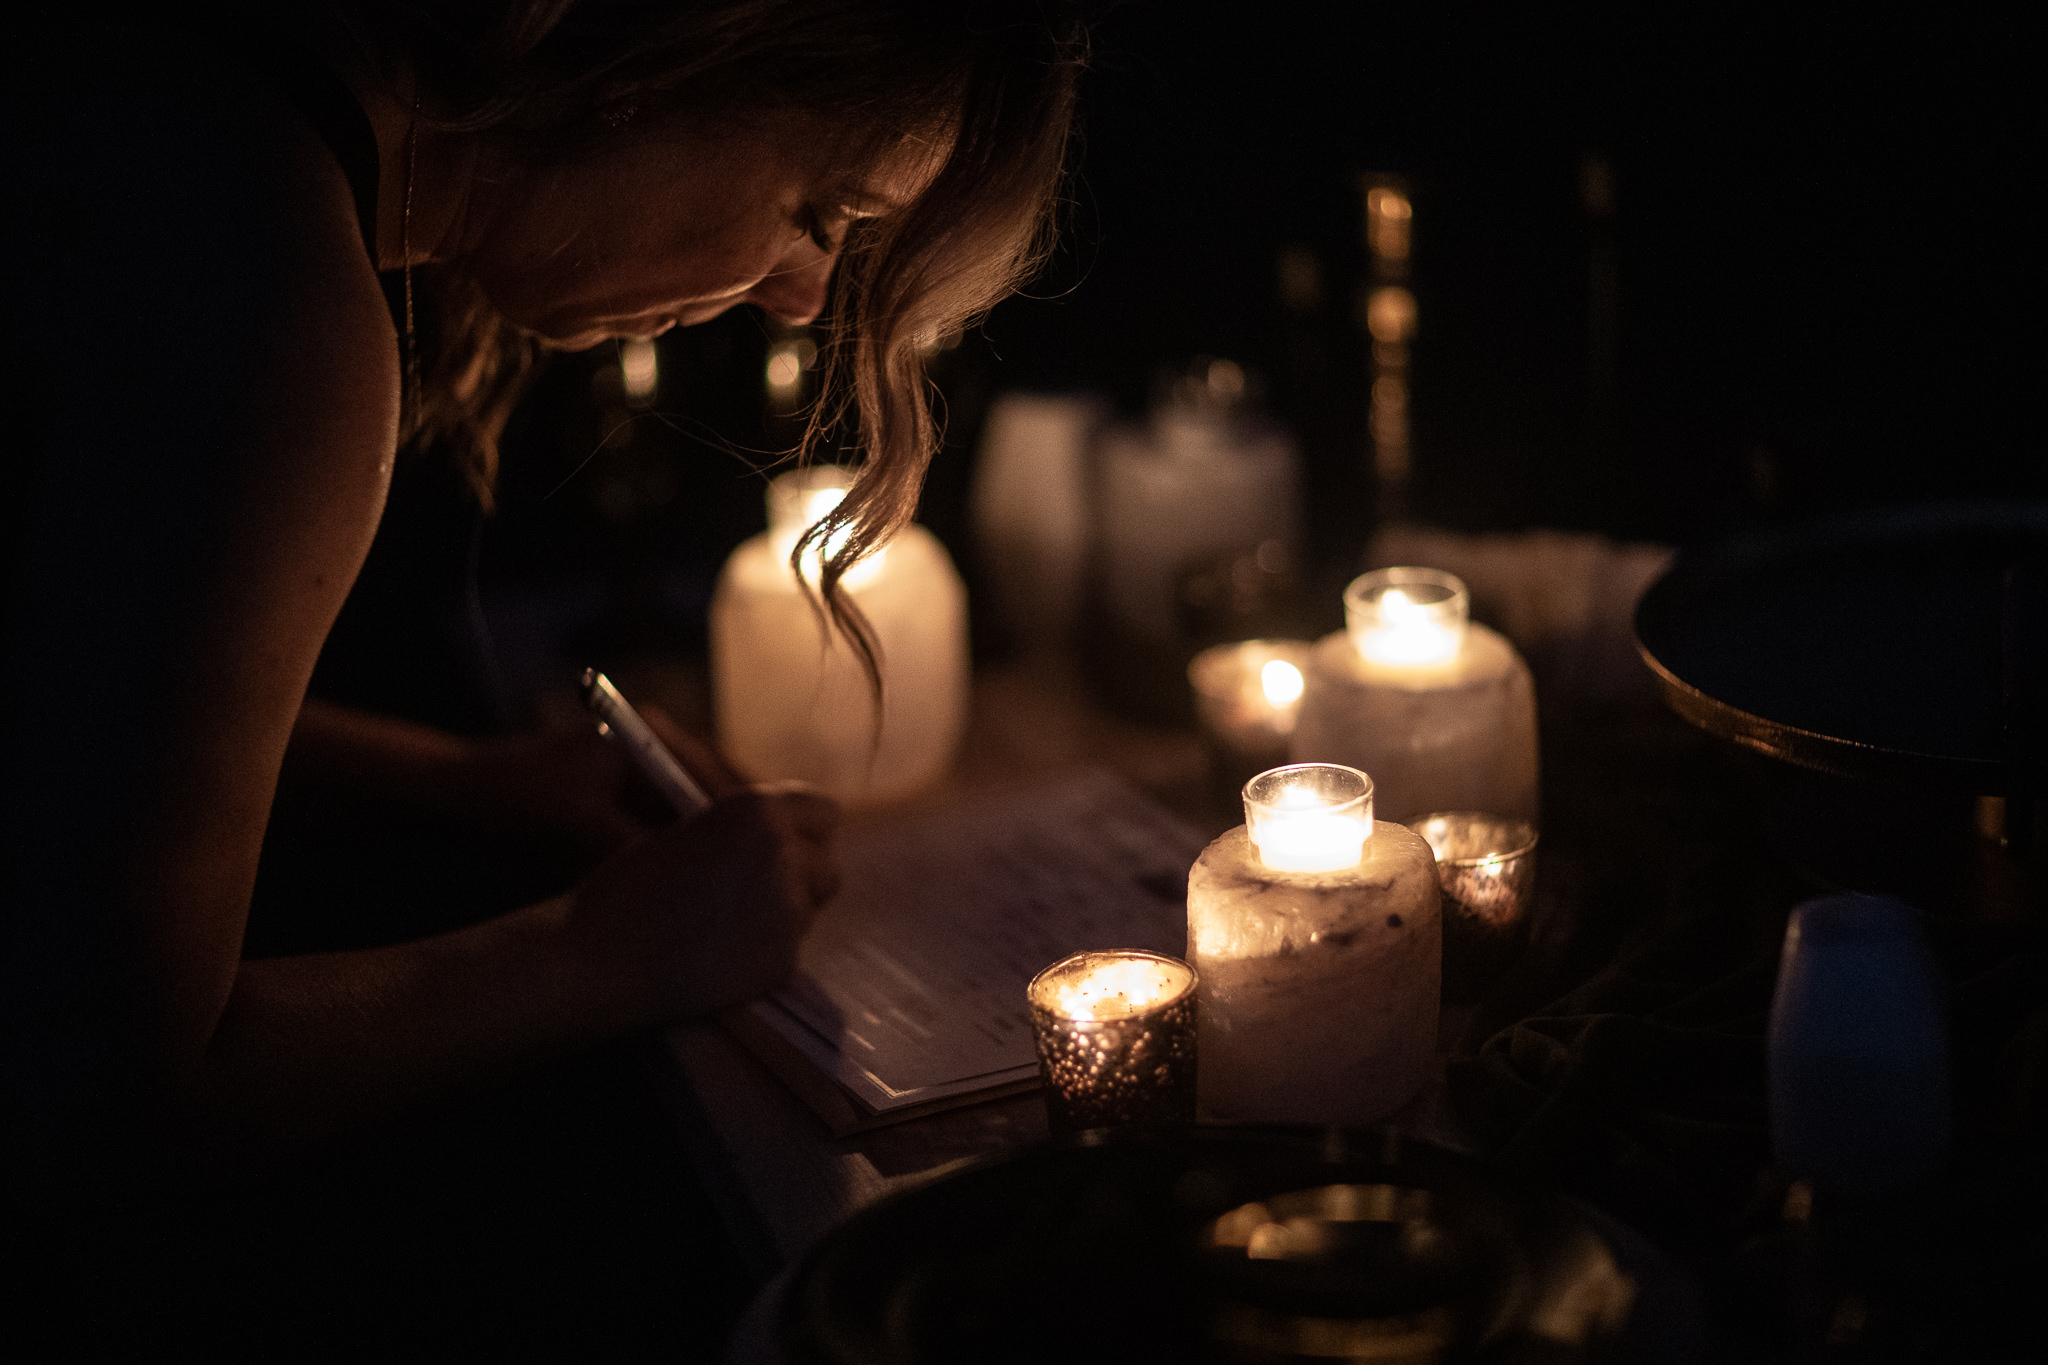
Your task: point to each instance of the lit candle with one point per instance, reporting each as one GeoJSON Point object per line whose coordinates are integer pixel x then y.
{"type": "Point", "coordinates": [639, 370]}
{"type": "Point", "coordinates": [1116, 1039]}
{"type": "Point", "coordinates": [1315, 930]}
{"type": "Point", "coordinates": [1441, 710]}
{"type": "Point", "coordinates": [789, 362]}
{"type": "Point", "coordinates": [792, 700]}
{"type": "Point", "coordinates": [1406, 621]}
{"type": "Point", "coordinates": [1486, 865]}
{"type": "Point", "coordinates": [1311, 818]}
{"type": "Point", "coordinates": [1248, 696]}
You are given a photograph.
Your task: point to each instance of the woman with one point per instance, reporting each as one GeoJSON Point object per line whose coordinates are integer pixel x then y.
{"type": "Point", "coordinates": [186, 516]}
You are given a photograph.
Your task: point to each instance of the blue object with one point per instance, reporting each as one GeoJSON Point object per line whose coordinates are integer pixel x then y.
{"type": "Point", "coordinates": [1859, 1067]}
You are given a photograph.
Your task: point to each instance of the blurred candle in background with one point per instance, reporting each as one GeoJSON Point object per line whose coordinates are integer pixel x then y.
{"type": "Point", "coordinates": [786, 373]}
{"type": "Point", "coordinates": [791, 698]}
{"type": "Point", "coordinates": [1388, 311]}
{"type": "Point", "coordinates": [1315, 932]}
{"type": "Point", "coordinates": [1441, 710]}
{"type": "Point", "coordinates": [1200, 480]}
{"type": "Point", "coordinates": [1248, 696]}
{"type": "Point", "coordinates": [639, 370]}
{"type": "Point", "coordinates": [1030, 511]}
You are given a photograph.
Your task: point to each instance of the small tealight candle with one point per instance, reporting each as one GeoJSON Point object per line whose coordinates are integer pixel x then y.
{"type": "Point", "coordinates": [1316, 934]}
{"type": "Point", "coordinates": [1116, 1039]}
{"type": "Point", "coordinates": [1312, 817]}
{"type": "Point", "coordinates": [1412, 619]}
{"type": "Point", "coordinates": [1248, 696]}
{"type": "Point", "coordinates": [1486, 865]}
{"type": "Point", "coordinates": [1439, 709]}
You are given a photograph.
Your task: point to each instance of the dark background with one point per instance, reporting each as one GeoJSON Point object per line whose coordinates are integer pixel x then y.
{"type": "Point", "coordinates": [1822, 248]}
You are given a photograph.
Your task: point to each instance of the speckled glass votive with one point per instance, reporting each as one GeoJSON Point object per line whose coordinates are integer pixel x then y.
{"type": "Point", "coordinates": [1116, 1039]}
{"type": "Point", "coordinates": [1486, 865]}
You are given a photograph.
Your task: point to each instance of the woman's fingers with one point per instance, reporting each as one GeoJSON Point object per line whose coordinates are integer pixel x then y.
{"type": "Point", "coordinates": [712, 909]}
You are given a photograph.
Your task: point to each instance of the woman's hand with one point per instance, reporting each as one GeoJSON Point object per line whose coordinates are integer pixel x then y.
{"type": "Point", "coordinates": [709, 911]}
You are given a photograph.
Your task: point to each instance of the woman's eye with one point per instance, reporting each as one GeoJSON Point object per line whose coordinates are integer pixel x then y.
{"type": "Point", "coordinates": [814, 228]}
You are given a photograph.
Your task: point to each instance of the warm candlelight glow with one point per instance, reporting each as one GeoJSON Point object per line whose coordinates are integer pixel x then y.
{"type": "Point", "coordinates": [639, 369]}
{"type": "Point", "coordinates": [784, 373]}
{"type": "Point", "coordinates": [1390, 314]}
{"type": "Point", "coordinates": [798, 501]}
{"type": "Point", "coordinates": [1115, 1033]}
{"type": "Point", "coordinates": [1281, 682]}
{"type": "Point", "coordinates": [1118, 988]}
{"type": "Point", "coordinates": [1387, 217]}
{"type": "Point", "coordinates": [1407, 618]}
{"type": "Point", "coordinates": [791, 696]}
{"type": "Point", "coordinates": [1249, 695]}
{"type": "Point", "coordinates": [1310, 817]}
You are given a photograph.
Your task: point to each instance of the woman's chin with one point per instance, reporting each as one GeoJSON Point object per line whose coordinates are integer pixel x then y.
{"type": "Point", "coordinates": [580, 334]}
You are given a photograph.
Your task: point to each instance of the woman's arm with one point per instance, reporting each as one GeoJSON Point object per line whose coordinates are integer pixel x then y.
{"type": "Point", "coordinates": [309, 1045]}
{"type": "Point", "coordinates": [563, 783]}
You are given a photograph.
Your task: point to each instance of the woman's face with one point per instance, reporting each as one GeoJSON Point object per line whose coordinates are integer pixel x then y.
{"type": "Point", "coordinates": [668, 229]}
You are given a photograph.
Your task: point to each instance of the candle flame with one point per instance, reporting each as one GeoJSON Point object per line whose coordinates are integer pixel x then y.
{"type": "Point", "coordinates": [1409, 633]}
{"type": "Point", "coordinates": [1116, 990]}
{"type": "Point", "coordinates": [1281, 681]}
{"type": "Point", "coordinates": [1310, 817]}
{"type": "Point", "coordinates": [1297, 840]}
{"type": "Point", "coordinates": [810, 507]}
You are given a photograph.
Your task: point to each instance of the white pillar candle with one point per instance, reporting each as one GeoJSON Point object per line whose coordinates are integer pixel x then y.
{"type": "Point", "coordinates": [791, 697]}
{"type": "Point", "coordinates": [1316, 936]}
{"type": "Point", "coordinates": [1191, 486]}
{"type": "Point", "coordinates": [1440, 710]}
{"type": "Point", "coordinates": [1030, 513]}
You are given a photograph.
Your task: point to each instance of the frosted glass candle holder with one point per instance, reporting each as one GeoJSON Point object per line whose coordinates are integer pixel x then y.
{"type": "Point", "coordinates": [791, 698]}
{"type": "Point", "coordinates": [1440, 710]}
{"type": "Point", "coordinates": [1318, 988]}
{"type": "Point", "coordinates": [1116, 1039]}
{"type": "Point", "coordinates": [1248, 697]}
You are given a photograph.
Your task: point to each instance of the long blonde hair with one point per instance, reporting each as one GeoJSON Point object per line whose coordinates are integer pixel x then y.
{"type": "Point", "coordinates": [999, 74]}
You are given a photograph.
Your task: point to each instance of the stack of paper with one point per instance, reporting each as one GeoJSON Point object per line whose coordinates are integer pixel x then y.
{"type": "Point", "coordinates": [909, 994]}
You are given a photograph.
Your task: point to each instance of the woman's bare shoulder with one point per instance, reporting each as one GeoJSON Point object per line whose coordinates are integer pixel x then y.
{"type": "Point", "coordinates": [193, 245]}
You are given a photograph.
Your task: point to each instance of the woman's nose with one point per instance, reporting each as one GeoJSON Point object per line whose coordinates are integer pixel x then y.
{"type": "Point", "coordinates": [795, 292]}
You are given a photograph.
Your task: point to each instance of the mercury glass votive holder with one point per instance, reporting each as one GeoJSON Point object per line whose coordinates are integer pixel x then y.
{"type": "Point", "coordinates": [1116, 1039]}
{"type": "Point", "coordinates": [1486, 865]}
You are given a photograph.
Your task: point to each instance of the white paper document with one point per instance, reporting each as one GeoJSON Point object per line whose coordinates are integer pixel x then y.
{"type": "Point", "coordinates": [910, 987]}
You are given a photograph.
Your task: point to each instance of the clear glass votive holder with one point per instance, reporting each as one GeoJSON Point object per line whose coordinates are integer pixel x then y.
{"type": "Point", "coordinates": [1249, 694]}
{"type": "Point", "coordinates": [1248, 697]}
{"type": "Point", "coordinates": [1486, 865]}
{"type": "Point", "coordinates": [1407, 617]}
{"type": "Point", "coordinates": [1116, 1039]}
{"type": "Point", "coordinates": [1309, 817]}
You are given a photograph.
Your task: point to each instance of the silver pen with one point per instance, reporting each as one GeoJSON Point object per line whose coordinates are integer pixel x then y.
{"type": "Point", "coordinates": [617, 718]}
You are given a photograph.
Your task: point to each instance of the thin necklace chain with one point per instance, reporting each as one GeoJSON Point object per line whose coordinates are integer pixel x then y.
{"type": "Point", "coordinates": [412, 351]}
